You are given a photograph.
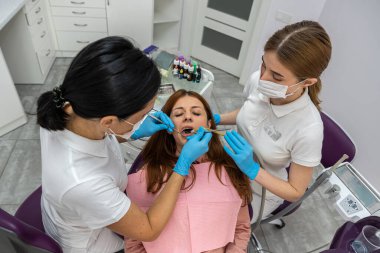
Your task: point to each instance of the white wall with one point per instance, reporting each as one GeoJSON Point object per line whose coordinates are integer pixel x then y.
{"type": "Point", "coordinates": [351, 84]}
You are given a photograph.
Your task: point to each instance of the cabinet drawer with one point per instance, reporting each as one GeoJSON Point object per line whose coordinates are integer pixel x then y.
{"type": "Point", "coordinates": [36, 13]}
{"type": "Point", "coordinates": [46, 56]}
{"type": "Point", "coordinates": [79, 3]}
{"type": "Point", "coordinates": [41, 38]}
{"type": "Point", "coordinates": [30, 4]}
{"type": "Point", "coordinates": [78, 12]}
{"type": "Point", "coordinates": [75, 41]}
{"type": "Point", "coordinates": [80, 24]}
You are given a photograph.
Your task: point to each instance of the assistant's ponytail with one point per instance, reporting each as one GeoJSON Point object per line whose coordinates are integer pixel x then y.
{"type": "Point", "coordinates": [50, 113]}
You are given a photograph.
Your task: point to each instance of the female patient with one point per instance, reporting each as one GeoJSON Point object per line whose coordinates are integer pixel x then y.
{"type": "Point", "coordinates": [211, 214]}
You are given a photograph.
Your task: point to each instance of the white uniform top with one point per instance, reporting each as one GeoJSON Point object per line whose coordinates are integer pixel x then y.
{"type": "Point", "coordinates": [83, 184]}
{"type": "Point", "coordinates": [279, 134]}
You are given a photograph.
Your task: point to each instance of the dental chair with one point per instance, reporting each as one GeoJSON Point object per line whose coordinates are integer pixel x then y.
{"type": "Point", "coordinates": [24, 232]}
{"type": "Point", "coordinates": [336, 142]}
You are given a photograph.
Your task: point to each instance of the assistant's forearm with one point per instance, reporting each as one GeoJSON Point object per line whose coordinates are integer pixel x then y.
{"type": "Point", "coordinates": [229, 118]}
{"type": "Point", "coordinates": [278, 186]}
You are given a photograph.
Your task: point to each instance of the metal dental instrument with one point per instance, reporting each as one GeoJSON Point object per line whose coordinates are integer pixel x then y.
{"type": "Point", "coordinates": [154, 117]}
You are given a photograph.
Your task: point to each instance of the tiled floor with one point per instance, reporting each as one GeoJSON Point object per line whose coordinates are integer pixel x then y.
{"type": "Point", "coordinates": [309, 229]}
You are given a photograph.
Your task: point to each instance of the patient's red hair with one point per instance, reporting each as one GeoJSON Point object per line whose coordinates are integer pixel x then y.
{"type": "Point", "coordinates": [159, 155]}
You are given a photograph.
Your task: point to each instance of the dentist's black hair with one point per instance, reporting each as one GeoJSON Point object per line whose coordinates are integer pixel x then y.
{"type": "Point", "coordinates": [108, 77]}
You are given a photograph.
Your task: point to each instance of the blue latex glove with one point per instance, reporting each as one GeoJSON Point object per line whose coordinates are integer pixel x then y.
{"type": "Point", "coordinates": [195, 146]}
{"type": "Point", "coordinates": [217, 118]}
{"type": "Point", "coordinates": [151, 125]}
{"type": "Point", "coordinates": [242, 154]}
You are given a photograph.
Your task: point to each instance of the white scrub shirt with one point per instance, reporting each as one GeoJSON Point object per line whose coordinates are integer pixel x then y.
{"type": "Point", "coordinates": [83, 184]}
{"type": "Point", "coordinates": [279, 135]}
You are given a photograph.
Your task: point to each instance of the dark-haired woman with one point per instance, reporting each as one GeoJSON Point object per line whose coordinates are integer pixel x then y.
{"type": "Point", "coordinates": [211, 213]}
{"type": "Point", "coordinates": [280, 116]}
{"type": "Point", "coordinates": [108, 89]}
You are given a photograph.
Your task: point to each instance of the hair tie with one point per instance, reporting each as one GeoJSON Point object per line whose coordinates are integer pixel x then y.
{"type": "Point", "coordinates": [57, 97]}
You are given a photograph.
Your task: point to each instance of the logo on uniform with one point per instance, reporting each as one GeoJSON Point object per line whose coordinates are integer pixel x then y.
{"type": "Point", "coordinates": [272, 132]}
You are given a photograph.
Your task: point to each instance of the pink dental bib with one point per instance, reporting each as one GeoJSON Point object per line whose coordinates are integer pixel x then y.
{"type": "Point", "coordinates": [204, 217]}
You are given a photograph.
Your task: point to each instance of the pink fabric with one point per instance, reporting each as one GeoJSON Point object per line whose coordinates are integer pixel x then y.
{"type": "Point", "coordinates": [204, 219]}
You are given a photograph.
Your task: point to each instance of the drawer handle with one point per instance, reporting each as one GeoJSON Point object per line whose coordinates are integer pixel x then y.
{"type": "Point", "coordinates": [83, 41]}
{"type": "Point", "coordinates": [81, 25]}
{"type": "Point", "coordinates": [48, 53]}
{"type": "Point", "coordinates": [79, 12]}
{"type": "Point", "coordinates": [38, 10]}
{"type": "Point", "coordinates": [40, 21]}
{"type": "Point", "coordinates": [43, 34]}
{"type": "Point", "coordinates": [73, 2]}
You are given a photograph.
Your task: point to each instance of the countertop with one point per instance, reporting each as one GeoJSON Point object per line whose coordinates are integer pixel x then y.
{"type": "Point", "coordinates": [9, 8]}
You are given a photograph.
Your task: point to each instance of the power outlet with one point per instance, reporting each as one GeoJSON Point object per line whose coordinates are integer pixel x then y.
{"type": "Point", "coordinates": [284, 17]}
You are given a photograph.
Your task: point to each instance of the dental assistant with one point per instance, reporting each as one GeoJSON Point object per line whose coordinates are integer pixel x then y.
{"type": "Point", "coordinates": [280, 119]}
{"type": "Point", "coordinates": [108, 89]}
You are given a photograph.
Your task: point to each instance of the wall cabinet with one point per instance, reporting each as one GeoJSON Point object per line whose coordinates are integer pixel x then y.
{"type": "Point", "coordinates": [27, 44]}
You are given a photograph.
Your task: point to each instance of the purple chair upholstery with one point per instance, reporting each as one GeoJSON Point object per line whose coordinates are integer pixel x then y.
{"type": "Point", "coordinates": [345, 235]}
{"type": "Point", "coordinates": [335, 143]}
{"type": "Point", "coordinates": [30, 210]}
{"type": "Point", "coordinates": [17, 236]}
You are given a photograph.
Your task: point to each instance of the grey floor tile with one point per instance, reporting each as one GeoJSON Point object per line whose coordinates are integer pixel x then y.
{"type": "Point", "coordinates": [22, 174]}
{"type": "Point", "coordinates": [11, 209]}
{"type": "Point", "coordinates": [6, 148]}
{"type": "Point", "coordinates": [30, 131]}
{"type": "Point", "coordinates": [228, 104]}
{"type": "Point", "coordinates": [62, 61]}
{"type": "Point", "coordinates": [12, 135]}
{"type": "Point", "coordinates": [235, 91]}
{"type": "Point", "coordinates": [213, 105]}
{"type": "Point", "coordinates": [309, 228]}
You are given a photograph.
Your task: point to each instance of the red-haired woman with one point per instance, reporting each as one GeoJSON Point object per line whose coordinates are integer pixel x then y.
{"type": "Point", "coordinates": [211, 214]}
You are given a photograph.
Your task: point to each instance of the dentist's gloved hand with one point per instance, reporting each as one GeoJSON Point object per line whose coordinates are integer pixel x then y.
{"type": "Point", "coordinates": [195, 146]}
{"type": "Point", "coordinates": [217, 118]}
{"type": "Point", "coordinates": [150, 126]}
{"type": "Point", "coordinates": [242, 154]}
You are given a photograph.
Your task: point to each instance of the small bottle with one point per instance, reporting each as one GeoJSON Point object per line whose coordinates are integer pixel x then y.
{"type": "Point", "coordinates": [199, 74]}
{"type": "Point", "coordinates": [180, 76]}
{"type": "Point", "coordinates": [175, 71]}
{"type": "Point", "coordinates": [175, 62]}
{"type": "Point", "coordinates": [190, 75]}
{"type": "Point", "coordinates": [186, 70]}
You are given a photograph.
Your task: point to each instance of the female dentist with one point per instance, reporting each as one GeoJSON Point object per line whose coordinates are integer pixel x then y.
{"type": "Point", "coordinates": [108, 89]}
{"type": "Point", "coordinates": [280, 116]}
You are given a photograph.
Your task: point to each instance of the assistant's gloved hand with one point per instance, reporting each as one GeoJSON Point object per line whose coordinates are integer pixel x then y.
{"type": "Point", "coordinates": [217, 118]}
{"type": "Point", "coordinates": [150, 125]}
{"type": "Point", "coordinates": [195, 146]}
{"type": "Point", "coordinates": [242, 154]}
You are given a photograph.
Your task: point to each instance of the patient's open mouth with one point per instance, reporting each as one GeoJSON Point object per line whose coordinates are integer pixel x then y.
{"type": "Point", "coordinates": [187, 131]}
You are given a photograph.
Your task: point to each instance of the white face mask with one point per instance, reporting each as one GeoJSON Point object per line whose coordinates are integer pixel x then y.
{"type": "Point", "coordinates": [275, 90]}
{"type": "Point", "coordinates": [128, 135]}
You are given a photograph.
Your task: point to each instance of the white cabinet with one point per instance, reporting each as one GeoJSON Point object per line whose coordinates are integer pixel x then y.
{"type": "Point", "coordinates": [27, 45]}
{"type": "Point", "coordinates": [131, 18]}
{"type": "Point", "coordinates": [12, 114]}
{"type": "Point", "coordinates": [79, 22]}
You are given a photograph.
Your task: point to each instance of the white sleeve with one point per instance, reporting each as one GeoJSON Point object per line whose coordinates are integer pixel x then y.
{"type": "Point", "coordinates": [251, 84]}
{"type": "Point", "coordinates": [307, 148]}
{"type": "Point", "coordinates": [98, 202]}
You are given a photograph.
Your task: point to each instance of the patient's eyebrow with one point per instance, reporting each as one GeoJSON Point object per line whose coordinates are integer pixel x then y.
{"type": "Point", "coordinates": [182, 108]}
